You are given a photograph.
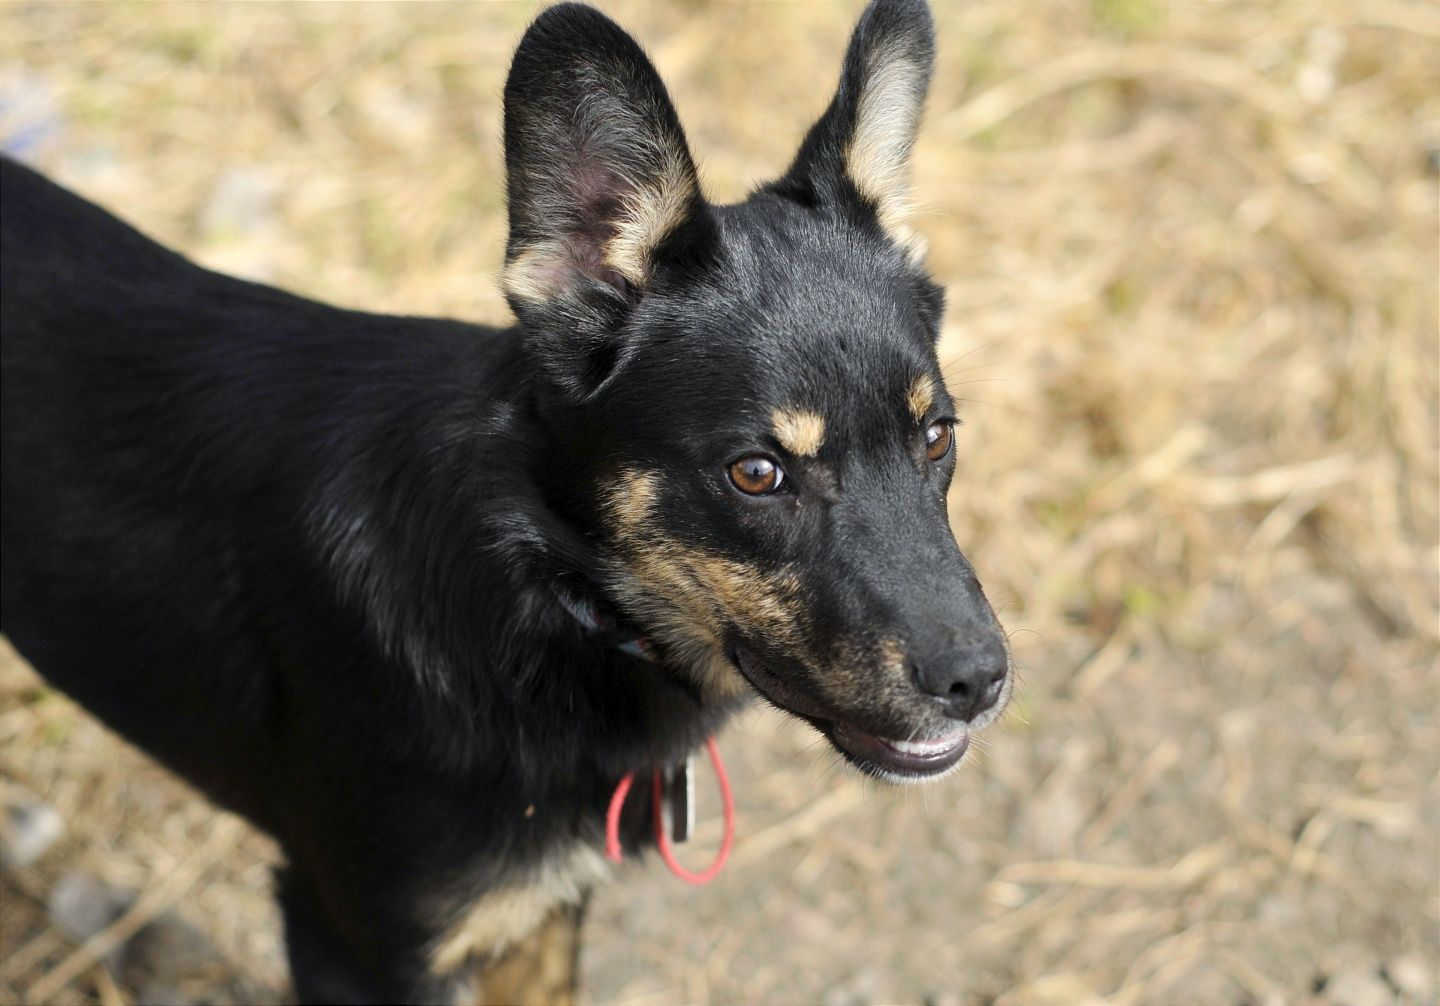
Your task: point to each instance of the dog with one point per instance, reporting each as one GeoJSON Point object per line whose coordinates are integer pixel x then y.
{"type": "Point", "coordinates": [413, 595]}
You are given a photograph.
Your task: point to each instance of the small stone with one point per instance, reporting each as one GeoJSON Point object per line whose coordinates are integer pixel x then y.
{"type": "Point", "coordinates": [162, 995]}
{"type": "Point", "coordinates": [32, 120]}
{"type": "Point", "coordinates": [860, 989]}
{"type": "Point", "coordinates": [1358, 988]}
{"type": "Point", "coordinates": [807, 925]}
{"type": "Point", "coordinates": [167, 948]}
{"type": "Point", "coordinates": [241, 202]}
{"type": "Point", "coordinates": [1415, 981]}
{"type": "Point", "coordinates": [81, 905]}
{"type": "Point", "coordinates": [1276, 910]}
{"type": "Point", "coordinates": [28, 829]}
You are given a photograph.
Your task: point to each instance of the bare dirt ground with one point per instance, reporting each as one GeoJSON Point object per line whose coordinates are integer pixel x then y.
{"type": "Point", "coordinates": [1191, 256]}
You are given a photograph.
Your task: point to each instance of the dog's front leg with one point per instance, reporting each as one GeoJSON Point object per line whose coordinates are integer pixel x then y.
{"type": "Point", "coordinates": [383, 959]}
{"type": "Point", "coordinates": [540, 970]}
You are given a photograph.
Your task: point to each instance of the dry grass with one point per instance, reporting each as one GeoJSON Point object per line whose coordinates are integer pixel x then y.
{"type": "Point", "coordinates": [1191, 255]}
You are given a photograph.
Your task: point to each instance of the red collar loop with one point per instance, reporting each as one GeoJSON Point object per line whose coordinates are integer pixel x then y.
{"type": "Point", "coordinates": [613, 851]}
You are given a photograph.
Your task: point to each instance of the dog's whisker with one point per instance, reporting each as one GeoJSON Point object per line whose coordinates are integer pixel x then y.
{"type": "Point", "coordinates": [978, 347]}
{"type": "Point", "coordinates": [975, 380]}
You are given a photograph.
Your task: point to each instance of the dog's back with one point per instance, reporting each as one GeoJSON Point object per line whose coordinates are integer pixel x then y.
{"type": "Point", "coordinates": [105, 557]}
{"type": "Point", "coordinates": [165, 434]}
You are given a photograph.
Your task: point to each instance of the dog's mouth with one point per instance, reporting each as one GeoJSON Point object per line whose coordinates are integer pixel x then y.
{"type": "Point", "coordinates": [889, 758]}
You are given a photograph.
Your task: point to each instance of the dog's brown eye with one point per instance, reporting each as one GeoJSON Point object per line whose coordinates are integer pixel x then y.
{"type": "Point", "coordinates": [756, 475]}
{"type": "Point", "coordinates": [937, 440]}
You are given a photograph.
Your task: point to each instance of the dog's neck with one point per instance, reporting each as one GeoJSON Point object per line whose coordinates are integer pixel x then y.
{"type": "Point", "coordinates": [504, 632]}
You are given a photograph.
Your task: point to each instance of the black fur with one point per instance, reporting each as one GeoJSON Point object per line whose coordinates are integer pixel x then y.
{"type": "Point", "coordinates": [323, 563]}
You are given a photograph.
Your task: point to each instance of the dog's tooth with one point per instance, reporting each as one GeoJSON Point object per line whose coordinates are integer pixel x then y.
{"type": "Point", "coordinates": [926, 747]}
{"type": "Point", "coordinates": [917, 747]}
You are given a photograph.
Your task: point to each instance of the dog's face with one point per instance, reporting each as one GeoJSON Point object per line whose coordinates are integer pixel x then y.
{"type": "Point", "coordinates": [763, 432]}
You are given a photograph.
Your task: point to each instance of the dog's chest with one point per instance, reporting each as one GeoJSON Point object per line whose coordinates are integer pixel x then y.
{"type": "Point", "coordinates": [505, 915]}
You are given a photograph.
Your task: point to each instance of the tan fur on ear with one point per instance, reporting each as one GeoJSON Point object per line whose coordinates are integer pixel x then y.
{"type": "Point", "coordinates": [888, 118]}
{"type": "Point", "coordinates": [651, 206]}
{"type": "Point", "coordinates": [651, 213]}
{"type": "Point", "coordinates": [538, 272]}
{"type": "Point", "coordinates": [914, 244]}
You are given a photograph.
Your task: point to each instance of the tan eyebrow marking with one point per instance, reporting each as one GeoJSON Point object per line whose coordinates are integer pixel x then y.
{"type": "Point", "coordinates": [920, 397]}
{"type": "Point", "coordinates": [799, 432]}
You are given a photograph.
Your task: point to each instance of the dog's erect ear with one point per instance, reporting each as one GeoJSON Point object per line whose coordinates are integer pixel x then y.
{"type": "Point", "coordinates": [859, 151]}
{"type": "Point", "coordinates": [600, 178]}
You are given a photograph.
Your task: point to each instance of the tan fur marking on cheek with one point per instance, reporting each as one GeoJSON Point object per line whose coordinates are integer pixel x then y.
{"type": "Point", "coordinates": [499, 918]}
{"type": "Point", "coordinates": [686, 597]}
{"type": "Point", "coordinates": [800, 432]}
{"type": "Point", "coordinates": [846, 664]}
{"type": "Point", "coordinates": [631, 503]}
{"type": "Point", "coordinates": [655, 584]}
{"type": "Point", "coordinates": [690, 597]}
{"type": "Point", "coordinates": [864, 673]}
{"type": "Point", "coordinates": [920, 397]}
{"type": "Point", "coordinates": [766, 604]}
{"type": "Point", "coordinates": [892, 656]}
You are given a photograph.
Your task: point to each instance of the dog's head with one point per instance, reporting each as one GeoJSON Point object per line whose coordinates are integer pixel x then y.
{"type": "Point", "coordinates": [760, 438]}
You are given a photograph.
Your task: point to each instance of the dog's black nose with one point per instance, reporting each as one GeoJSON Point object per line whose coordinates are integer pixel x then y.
{"type": "Point", "coordinates": [966, 679]}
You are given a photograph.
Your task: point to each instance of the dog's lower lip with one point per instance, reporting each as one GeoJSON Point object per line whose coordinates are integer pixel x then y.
{"type": "Point", "coordinates": [905, 757]}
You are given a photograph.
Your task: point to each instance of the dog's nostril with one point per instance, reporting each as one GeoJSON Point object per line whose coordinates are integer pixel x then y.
{"type": "Point", "coordinates": [966, 681]}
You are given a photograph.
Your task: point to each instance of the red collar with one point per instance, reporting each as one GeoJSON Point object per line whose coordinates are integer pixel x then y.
{"type": "Point", "coordinates": [662, 837]}
{"type": "Point", "coordinates": [636, 645]}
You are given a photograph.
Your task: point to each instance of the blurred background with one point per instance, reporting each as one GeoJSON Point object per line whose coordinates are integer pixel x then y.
{"type": "Point", "coordinates": [1191, 258]}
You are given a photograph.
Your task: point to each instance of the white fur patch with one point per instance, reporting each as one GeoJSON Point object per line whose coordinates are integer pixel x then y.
{"type": "Point", "coordinates": [886, 123]}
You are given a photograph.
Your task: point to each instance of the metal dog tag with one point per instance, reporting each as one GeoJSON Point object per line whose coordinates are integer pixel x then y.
{"type": "Point", "coordinates": [678, 789]}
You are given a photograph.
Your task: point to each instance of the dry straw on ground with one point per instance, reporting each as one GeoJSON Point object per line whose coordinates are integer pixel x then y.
{"type": "Point", "coordinates": [1191, 256]}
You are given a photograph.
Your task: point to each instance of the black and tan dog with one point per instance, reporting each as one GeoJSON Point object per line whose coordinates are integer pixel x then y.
{"type": "Point", "coordinates": [367, 579]}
